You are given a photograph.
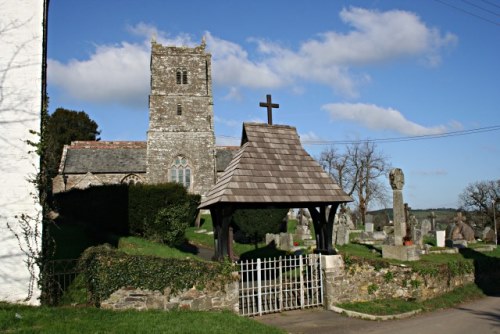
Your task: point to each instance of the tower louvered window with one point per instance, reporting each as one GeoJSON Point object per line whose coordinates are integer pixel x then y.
{"type": "Point", "coordinates": [180, 172]}
{"type": "Point", "coordinates": [181, 76]}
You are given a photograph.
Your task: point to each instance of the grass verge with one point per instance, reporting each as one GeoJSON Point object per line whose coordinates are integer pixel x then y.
{"type": "Point", "coordinates": [26, 319]}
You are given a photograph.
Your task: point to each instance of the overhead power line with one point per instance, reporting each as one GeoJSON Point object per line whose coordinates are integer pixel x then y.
{"type": "Point", "coordinates": [395, 139]}
{"type": "Point", "coordinates": [408, 138]}
{"type": "Point", "coordinates": [481, 8]}
{"type": "Point", "coordinates": [468, 12]}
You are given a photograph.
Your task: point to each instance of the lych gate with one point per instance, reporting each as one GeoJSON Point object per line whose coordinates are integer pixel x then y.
{"type": "Point", "coordinates": [271, 169]}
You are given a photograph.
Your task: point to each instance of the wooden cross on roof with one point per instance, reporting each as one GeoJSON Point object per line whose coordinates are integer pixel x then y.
{"type": "Point", "coordinates": [269, 105]}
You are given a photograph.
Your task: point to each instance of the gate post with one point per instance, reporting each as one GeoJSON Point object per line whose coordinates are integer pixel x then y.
{"type": "Point", "coordinates": [333, 270]}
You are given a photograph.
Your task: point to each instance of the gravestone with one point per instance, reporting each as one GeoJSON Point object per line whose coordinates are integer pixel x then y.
{"type": "Point", "coordinates": [369, 227]}
{"type": "Point", "coordinates": [426, 227]}
{"type": "Point", "coordinates": [461, 231]}
{"type": "Point", "coordinates": [432, 217]}
{"type": "Point", "coordinates": [302, 231]}
{"type": "Point", "coordinates": [286, 241]}
{"type": "Point", "coordinates": [416, 231]}
{"type": "Point", "coordinates": [397, 181]}
{"type": "Point", "coordinates": [283, 241]}
{"type": "Point", "coordinates": [440, 238]}
{"type": "Point", "coordinates": [342, 237]}
{"type": "Point", "coordinates": [488, 234]}
{"type": "Point", "coordinates": [272, 238]}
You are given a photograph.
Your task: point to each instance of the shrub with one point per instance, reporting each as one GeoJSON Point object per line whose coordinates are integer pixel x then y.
{"type": "Point", "coordinates": [253, 224]}
{"type": "Point", "coordinates": [169, 225]}
{"type": "Point", "coordinates": [145, 201]}
{"type": "Point", "coordinates": [99, 212]}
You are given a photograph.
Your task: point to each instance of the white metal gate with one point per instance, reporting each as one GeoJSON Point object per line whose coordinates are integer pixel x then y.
{"type": "Point", "coordinates": [275, 285]}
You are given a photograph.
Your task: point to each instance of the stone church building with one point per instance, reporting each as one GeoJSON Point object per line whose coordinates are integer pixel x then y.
{"type": "Point", "coordinates": [180, 145]}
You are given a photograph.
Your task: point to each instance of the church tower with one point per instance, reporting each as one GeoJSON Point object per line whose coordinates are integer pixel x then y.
{"type": "Point", "coordinates": [181, 141]}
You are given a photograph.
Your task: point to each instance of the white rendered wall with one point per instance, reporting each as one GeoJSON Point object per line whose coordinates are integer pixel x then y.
{"type": "Point", "coordinates": [21, 37]}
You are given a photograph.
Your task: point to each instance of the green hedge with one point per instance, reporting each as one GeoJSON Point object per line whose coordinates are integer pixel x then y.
{"type": "Point", "coordinates": [106, 270]}
{"type": "Point", "coordinates": [253, 224]}
{"type": "Point", "coordinates": [102, 210]}
{"type": "Point", "coordinates": [145, 201]}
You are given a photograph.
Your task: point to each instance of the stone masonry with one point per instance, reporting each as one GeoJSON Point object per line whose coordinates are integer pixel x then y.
{"type": "Point", "coordinates": [359, 282]}
{"type": "Point", "coordinates": [191, 299]}
{"type": "Point", "coordinates": [181, 115]}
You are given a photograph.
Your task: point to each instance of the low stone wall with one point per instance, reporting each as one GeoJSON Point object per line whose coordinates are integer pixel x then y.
{"type": "Point", "coordinates": [359, 282]}
{"type": "Point", "coordinates": [192, 299]}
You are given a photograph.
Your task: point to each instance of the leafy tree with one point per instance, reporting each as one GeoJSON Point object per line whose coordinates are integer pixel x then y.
{"type": "Point", "coordinates": [63, 127]}
{"type": "Point", "coordinates": [358, 171]}
{"type": "Point", "coordinates": [478, 197]}
{"type": "Point", "coordinates": [253, 224]}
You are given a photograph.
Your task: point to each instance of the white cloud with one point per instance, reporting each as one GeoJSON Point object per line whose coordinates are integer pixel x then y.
{"type": "Point", "coordinates": [112, 74]}
{"type": "Point", "coordinates": [330, 58]}
{"type": "Point", "coordinates": [379, 118]}
{"type": "Point", "coordinates": [119, 73]}
{"type": "Point", "coordinates": [309, 137]}
{"type": "Point", "coordinates": [233, 94]}
{"type": "Point", "coordinates": [232, 67]}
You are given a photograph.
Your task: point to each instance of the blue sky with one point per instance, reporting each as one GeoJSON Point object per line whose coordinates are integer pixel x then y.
{"type": "Point", "coordinates": [340, 70]}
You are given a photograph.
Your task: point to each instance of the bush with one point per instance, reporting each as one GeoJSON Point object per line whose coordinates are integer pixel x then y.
{"type": "Point", "coordinates": [145, 201]}
{"type": "Point", "coordinates": [253, 224]}
{"type": "Point", "coordinates": [106, 270]}
{"type": "Point", "coordinates": [98, 212]}
{"type": "Point", "coordinates": [169, 225]}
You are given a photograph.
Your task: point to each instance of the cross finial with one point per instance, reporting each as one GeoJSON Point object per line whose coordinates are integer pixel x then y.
{"type": "Point", "coordinates": [269, 105]}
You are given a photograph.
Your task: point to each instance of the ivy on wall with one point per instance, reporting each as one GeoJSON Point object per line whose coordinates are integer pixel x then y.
{"type": "Point", "coordinates": [106, 270]}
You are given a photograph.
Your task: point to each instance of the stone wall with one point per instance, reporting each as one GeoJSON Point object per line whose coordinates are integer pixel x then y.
{"type": "Point", "coordinates": [192, 299]}
{"type": "Point", "coordinates": [364, 282]}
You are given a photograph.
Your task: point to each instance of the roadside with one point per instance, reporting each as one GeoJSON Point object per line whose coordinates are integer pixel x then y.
{"type": "Point", "coordinates": [481, 316]}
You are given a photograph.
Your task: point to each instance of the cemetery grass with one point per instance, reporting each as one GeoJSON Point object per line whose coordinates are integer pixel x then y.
{"type": "Point", "coordinates": [458, 296]}
{"type": "Point", "coordinates": [140, 246]}
{"type": "Point", "coordinates": [29, 319]}
{"type": "Point", "coordinates": [246, 251]}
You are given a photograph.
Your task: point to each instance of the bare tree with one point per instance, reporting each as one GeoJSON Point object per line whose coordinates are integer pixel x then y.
{"type": "Point", "coordinates": [358, 171]}
{"type": "Point", "coordinates": [478, 198]}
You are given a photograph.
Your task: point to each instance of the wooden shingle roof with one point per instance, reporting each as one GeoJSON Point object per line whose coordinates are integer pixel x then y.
{"type": "Point", "coordinates": [272, 168]}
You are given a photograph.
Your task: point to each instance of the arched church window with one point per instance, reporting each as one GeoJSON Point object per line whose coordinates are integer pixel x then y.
{"type": "Point", "coordinates": [132, 179]}
{"type": "Point", "coordinates": [179, 109]}
{"type": "Point", "coordinates": [180, 172]}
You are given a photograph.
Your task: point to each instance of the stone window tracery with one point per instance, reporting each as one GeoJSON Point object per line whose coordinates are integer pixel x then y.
{"type": "Point", "coordinates": [131, 179]}
{"type": "Point", "coordinates": [180, 172]}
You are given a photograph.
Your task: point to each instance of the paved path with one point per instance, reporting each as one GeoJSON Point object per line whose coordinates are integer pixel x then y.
{"type": "Point", "coordinates": [478, 317]}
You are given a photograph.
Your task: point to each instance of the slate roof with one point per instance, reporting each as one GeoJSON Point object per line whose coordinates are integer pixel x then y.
{"type": "Point", "coordinates": [272, 167]}
{"type": "Point", "coordinates": [224, 155]}
{"type": "Point", "coordinates": [104, 157]}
